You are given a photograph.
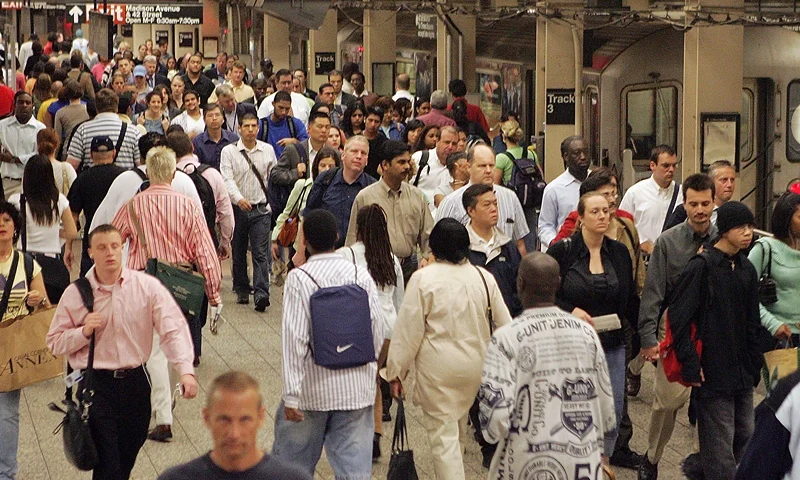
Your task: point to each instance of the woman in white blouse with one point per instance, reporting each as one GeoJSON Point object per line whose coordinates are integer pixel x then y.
{"type": "Point", "coordinates": [47, 144]}
{"type": "Point", "coordinates": [191, 120]}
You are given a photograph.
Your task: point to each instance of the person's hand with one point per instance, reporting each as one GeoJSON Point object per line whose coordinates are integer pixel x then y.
{"type": "Point", "coordinates": [783, 332]}
{"type": "Point", "coordinates": [702, 380]}
{"type": "Point", "coordinates": [397, 388]}
{"type": "Point", "coordinates": [647, 247]}
{"type": "Point", "coordinates": [189, 384]}
{"type": "Point", "coordinates": [293, 414]}
{"type": "Point", "coordinates": [223, 252]}
{"type": "Point", "coordinates": [244, 205]}
{"type": "Point", "coordinates": [140, 120]}
{"type": "Point", "coordinates": [94, 321]}
{"type": "Point", "coordinates": [583, 315]}
{"type": "Point", "coordinates": [301, 169]}
{"type": "Point", "coordinates": [287, 141]}
{"type": "Point", "coordinates": [427, 261]}
{"type": "Point", "coordinates": [275, 251]}
{"type": "Point", "coordinates": [34, 298]}
{"type": "Point", "coordinates": [650, 354]}
{"type": "Point", "coordinates": [6, 157]}
{"type": "Point", "coordinates": [68, 257]}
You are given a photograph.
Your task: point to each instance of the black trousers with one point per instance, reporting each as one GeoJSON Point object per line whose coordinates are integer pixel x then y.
{"type": "Point", "coordinates": [196, 325]}
{"type": "Point", "coordinates": [118, 419]}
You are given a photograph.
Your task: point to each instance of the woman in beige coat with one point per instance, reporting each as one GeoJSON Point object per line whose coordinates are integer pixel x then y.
{"type": "Point", "coordinates": [443, 329]}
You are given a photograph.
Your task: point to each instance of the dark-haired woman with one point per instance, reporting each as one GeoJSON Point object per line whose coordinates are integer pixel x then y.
{"type": "Point", "coordinates": [353, 120]}
{"type": "Point", "coordinates": [411, 133]}
{"type": "Point", "coordinates": [47, 144]}
{"type": "Point", "coordinates": [781, 317]}
{"type": "Point", "coordinates": [22, 294]}
{"type": "Point", "coordinates": [427, 139]}
{"type": "Point", "coordinates": [154, 119]}
{"type": "Point", "coordinates": [443, 329]}
{"type": "Point", "coordinates": [373, 251]}
{"type": "Point", "coordinates": [47, 224]}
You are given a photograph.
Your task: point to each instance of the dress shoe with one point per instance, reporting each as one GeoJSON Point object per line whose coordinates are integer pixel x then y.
{"type": "Point", "coordinates": [634, 384]}
{"type": "Point", "coordinates": [692, 467]}
{"type": "Point", "coordinates": [262, 304]}
{"type": "Point", "coordinates": [162, 433]}
{"type": "Point", "coordinates": [647, 470]}
{"type": "Point", "coordinates": [376, 447]}
{"type": "Point", "coordinates": [242, 298]}
{"type": "Point", "coordinates": [626, 458]}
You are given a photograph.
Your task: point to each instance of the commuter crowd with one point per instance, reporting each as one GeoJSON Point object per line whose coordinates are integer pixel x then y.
{"type": "Point", "coordinates": [412, 250]}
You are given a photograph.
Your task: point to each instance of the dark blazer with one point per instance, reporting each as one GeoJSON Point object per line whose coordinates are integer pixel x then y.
{"type": "Point", "coordinates": [212, 73]}
{"type": "Point", "coordinates": [503, 268]}
{"type": "Point", "coordinates": [569, 250]}
{"type": "Point", "coordinates": [161, 79]}
{"type": "Point", "coordinates": [285, 172]}
{"type": "Point", "coordinates": [241, 109]}
{"type": "Point", "coordinates": [348, 100]}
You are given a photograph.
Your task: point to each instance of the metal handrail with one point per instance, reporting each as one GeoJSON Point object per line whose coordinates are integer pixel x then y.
{"type": "Point", "coordinates": [763, 233]}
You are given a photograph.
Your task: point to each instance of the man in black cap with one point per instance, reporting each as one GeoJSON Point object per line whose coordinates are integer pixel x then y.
{"type": "Point", "coordinates": [718, 295]}
{"type": "Point", "coordinates": [90, 189]}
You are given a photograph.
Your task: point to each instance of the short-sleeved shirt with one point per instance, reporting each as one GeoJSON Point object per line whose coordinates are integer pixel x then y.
{"type": "Point", "coordinates": [502, 162]}
{"type": "Point", "coordinates": [89, 190]}
{"type": "Point", "coordinates": [205, 468]}
{"type": "Point", "coordinates": [110, 125]}
{"type": "Point", "coordinates": [20, 286]}
{"type": "Point", "coordinates": [40, 237]}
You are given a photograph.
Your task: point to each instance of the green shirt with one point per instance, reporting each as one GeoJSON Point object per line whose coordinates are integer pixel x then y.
{"type": "Point", "coordinates": [785, 270]}
{"type": "Point", "coordinates": [505, 164]}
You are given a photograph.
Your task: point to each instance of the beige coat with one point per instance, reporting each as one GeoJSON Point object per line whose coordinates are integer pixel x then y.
{"type": "Point", "coordinates": [443, 330]}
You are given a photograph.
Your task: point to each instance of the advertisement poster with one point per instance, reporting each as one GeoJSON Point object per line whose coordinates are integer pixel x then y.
{"type": "Point", "coordinates": [424, 77]}
{"type": "Point", "coordinates": [512, 88]}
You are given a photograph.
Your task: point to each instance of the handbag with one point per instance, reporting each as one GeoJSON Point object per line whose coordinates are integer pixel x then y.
{"type": "Point", "coordinates": [79, 447]}
{"type": "Point", "coordinates": [185, 285]}
{"type": "Point", "coordinates": [54, 273]}
{"type": "Point", "coordinates": [779, 363]}
{"type": "Point", "coordinates": [401, 463]}
{"type": "Point", "coordinates": [25, 357]}
{"type": "Point", "coordinates": [767, 288]}
{"type": "Point", "coordinates": [288, 233]}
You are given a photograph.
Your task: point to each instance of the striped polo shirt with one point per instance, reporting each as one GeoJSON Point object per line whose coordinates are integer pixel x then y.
{"type": "Point", "coordinates": [110, 125]}
{"type": "Point", "coordinates": [510, 216]}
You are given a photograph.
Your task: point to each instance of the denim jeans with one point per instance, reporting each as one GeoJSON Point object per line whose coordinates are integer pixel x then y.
{"type": "Point", "coordinates": [251, 228]}
{"type": "Point", "coordinates": [724, 426]}
{"type": "Point", "coordinates": [532, 239]}
{"type": "Point", "coordinates": [345, 434]}
{"type": "Point", "coordinates": [9, 434]}
{"type": "Point", "coordinates": [616, 370]}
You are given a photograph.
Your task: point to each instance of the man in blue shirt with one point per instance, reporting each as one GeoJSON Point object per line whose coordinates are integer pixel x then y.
{"type": "Point", "coordinates": [336, 189]}
{"type": "Point", "coordinates": [276, 129]}
{"type": "Point", "coordinates": [209, 144]}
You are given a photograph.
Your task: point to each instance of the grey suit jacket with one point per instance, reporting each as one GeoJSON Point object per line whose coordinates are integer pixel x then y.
{"type": "Point", "coordinates": [285, 172]}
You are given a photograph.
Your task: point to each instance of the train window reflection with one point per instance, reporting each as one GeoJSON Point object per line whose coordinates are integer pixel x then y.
{"type": "Point", "coordinates": [651, 119]}
{"type": "Point", "coordinates": [793, 121]}
{"type": "Point", "coordinates": [746, 133]}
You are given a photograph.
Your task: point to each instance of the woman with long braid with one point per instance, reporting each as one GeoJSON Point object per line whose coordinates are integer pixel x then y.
{"type": "Point", "coordinates": [373, 251]}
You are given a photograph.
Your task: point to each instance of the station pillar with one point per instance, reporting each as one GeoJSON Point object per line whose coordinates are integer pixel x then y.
{"type": "Point", "coordinates": [559, 57]}
{"type": "Point", "coordinates": [712, 82]}
{"type": "Point", "coordinates": [380, 43]}
{"type": "Point", "coordinates": [276, 41]}
{"type": "Point", "coordinates": [462, 31]}
{"type": "Point", "coordinates": [322, 40]}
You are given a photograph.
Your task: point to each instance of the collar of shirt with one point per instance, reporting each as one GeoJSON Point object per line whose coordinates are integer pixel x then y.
{"type": "Point", "coordinates": [32, 122]}
{"type": "Point", "coordinates": [240, 146]}
{"type": "Point", "coordinates": [690, 232]}
{"type": "Point", "coordinates": [659, 189]}
{"type": "Point", "coordinates": [190, 159]}
{"type": "Point", "coordinates": [389, 192]}
{"type": "Point", "coordinates": [124, 276]}
{"type": "Point", "coordinates": [317, 257]}
{"type": "Point", "coordinates": [103, 115]}
{"type": "Point", "coordinates": [226, 135]}
{"type": "Point", "coordinates": [490, 248]}
{"type": "Point", "coordinates": [339, 178]}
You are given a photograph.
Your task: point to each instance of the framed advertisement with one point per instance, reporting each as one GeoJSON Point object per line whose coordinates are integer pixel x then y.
{"type": "Point", "coordinates": [719, 138]}
{"type": "Point", "coordinates": [210, 45]}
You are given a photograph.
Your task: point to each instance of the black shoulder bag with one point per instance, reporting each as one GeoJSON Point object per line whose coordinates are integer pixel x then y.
{"type": "Point", "coordinates": [767, 288]}
{"type": "Point", "coordinates": [401, 464]}
{"type": "Point", "coordinates": [79, 447]}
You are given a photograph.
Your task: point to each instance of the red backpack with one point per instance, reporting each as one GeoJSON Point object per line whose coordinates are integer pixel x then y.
{"type": "Point", "coordinates": [669, 358]}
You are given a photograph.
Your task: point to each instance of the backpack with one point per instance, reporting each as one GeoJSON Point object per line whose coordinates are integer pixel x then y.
{"type": "Point", "coordinates": [278, 195]}
{"type": "Point", "coordinates": [423, 162]}
{"type": "Point", "coordinates": [526, 180]}
{"type": "Point", "coordinates": [263, 128]}
{"type": "Point", "coordinates": [145, 179]}
{"type": "Point", "coordinates": [207, 199]}
{"type": "Point", "coordinates": [341, 325]}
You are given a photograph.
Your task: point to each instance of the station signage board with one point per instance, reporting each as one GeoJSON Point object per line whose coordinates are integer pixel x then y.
{"type": "Point", "coordinates": [560, 106]}
{"type": "Point", "coordinates": [31, 5]}
{"type": "Point", "coordinates": [135, 14]}
{"type": "Point", "coordinates": [324, 62]}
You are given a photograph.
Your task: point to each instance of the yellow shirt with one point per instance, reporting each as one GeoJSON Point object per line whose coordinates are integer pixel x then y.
{"type": "Point", "coordinates": [43, 109]}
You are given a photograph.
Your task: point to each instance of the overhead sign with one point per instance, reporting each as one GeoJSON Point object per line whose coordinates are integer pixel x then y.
{"type": "Point", "coordinates": [125, 14]}
{"type": "Point", "coordinates": [31, 5]}
{"type": "Point", "coordinates": [426, 25]}
{"type": "Point", "coordinates": [324, 62]}
{"type": "Point", "coordinates": [560, 106]}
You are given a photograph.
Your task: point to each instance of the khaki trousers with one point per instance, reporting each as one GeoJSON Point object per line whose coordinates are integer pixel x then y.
{"type": "Point", "coordinates": [444, 437]}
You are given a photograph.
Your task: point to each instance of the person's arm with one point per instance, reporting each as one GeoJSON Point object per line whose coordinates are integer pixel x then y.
{"type": "Point", "coordinates": [523, 250]}
{"type": "Point", "coordinates": [285, 171]}
{"type": "Point", "coordinates": [568, 227]}
{"type": "Point", "coordinates": [497, 176]}
{"type": "Point", "coordinates": [69, 230]}
{"type": "Point", "coordinates": [409, 331]}
{"type": "Point", "coordinates": [58, 127]}
{"type": "Point", "coordinates": [206, 257]}
{"type": "Point", "coordinates": [548, 216]}
{"type": "Point", "coordinates": [426, 228]}
{"type": "Point", "coordinates": [558, 251]}
{"type": "Point", "coordinates": [655, 289]}
{"type": "Point", "coordinates": [226, 163]}
{"type": "Point", "coordinates": [75, 151]}
{"type": "Point", "coordinates": [302, 133]}
{"type": "Point", "coordinates": [437, 199]}
{"type": "Point", "coordinates": [498, 390]}
{"type": "Point", "coordinates": [295, 328]}
{"type": "Point", "coordinates": [314, 199]}
{"type": "Point", "coordinates": [224, 209]}
{"type": "Point", "coordinates": [66, 330]}
{"type": "Point", "coordinates": [689, 298]}
{"type": "Point", "coordinates": [500, 313]}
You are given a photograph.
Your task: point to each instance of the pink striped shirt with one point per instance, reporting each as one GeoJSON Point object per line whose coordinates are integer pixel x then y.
{"type": "Point", "coordinates": [175, 230]}
{"type": "Point", "coordinates": [134, 305]}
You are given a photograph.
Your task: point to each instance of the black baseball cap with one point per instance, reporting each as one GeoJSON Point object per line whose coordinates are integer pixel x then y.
{"type": "Point", "coordinates": [102, 144]}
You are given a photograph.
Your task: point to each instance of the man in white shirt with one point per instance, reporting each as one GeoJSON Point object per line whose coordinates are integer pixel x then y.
{"type": "Point", "coordinates": [401, 85]}
{"type": "Point", "coordinates": [300, 108]}
{"type": "Point", "coordinates": [562, 194]}
{"type": "Point", "coordinates": [26, 50]}
{"type": "Point", "coordinates": [17, 142]}
{"type": "Point", "coordinates": [652, 200]}
{"type": "Point", "coordinates": [432, 164]}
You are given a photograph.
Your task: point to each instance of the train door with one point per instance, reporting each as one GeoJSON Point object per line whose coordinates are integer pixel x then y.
{"type": "Point", "coordinates": [754, 182]}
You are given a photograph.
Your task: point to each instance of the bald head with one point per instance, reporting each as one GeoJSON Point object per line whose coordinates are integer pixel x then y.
{"type": "Point", "coordinates": [538, 280]}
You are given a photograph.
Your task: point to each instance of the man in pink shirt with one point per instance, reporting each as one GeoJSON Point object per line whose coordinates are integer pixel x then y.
{"type": "Point", "coordinates": [438, 115]}
{"type": "Point", "coordinates": [128, 307]}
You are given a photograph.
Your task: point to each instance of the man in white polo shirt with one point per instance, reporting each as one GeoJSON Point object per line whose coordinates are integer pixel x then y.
{"type": "Point", "coordinates": [652, 200]}
{"type": "Point", "coordinates": [432, 164]}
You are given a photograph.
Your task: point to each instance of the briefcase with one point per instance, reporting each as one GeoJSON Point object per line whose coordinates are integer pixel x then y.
{"type": "Point", "coordinates": [24, 356]}
{"type": "Point", "coordinates": [186, 285]}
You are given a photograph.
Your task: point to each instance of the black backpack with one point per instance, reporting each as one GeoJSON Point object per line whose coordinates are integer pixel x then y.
{"type": "Point", "coordinates": [526, 180]}
{"type": "Point", "coordinates": [206, 194]}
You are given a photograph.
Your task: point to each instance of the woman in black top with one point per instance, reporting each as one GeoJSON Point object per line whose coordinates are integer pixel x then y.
{"type": "Point", "coordinates": [596, 280]}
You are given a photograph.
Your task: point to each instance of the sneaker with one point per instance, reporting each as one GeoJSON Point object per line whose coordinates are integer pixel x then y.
{"type": "Point", "coordinates": [634, 384]}
{"type": "Point", "coordinates": [376, 447]}
{"type": "Point", "coordinates": [647, 470]}
{"type": "Point", "coordinates": [692, 468]}
{"type": "Point", "coordinates": [162, 433]}
{"type": "Point", "coordinates": [626, 458]}
{"type": "Point", "coordinates": [242, 298]}
{"type": "Point", "coordinates": [262, 304]}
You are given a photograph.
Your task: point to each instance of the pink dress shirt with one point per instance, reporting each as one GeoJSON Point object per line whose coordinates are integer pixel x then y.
{"type": "Point", "coordinates": [134, 305]}
{"type": "Point", "coordinates": [175, 230]}
{"type": "Point", "coordinates": [221, 198]}
{"type": "Point", "coordinates": [436, 117]}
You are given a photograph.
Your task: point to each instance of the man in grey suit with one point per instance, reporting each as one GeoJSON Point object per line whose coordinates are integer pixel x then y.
{"type": "Point", "coordinates": [231, 109]}
{"type": "Point", "coordinates": [296, 159]}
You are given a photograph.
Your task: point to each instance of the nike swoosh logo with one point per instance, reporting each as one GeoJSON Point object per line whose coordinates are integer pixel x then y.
{"type": "Point", "coordinates": [340, 349]}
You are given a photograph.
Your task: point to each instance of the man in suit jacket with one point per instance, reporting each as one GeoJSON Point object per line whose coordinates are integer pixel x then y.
{"type": "Point", "coordinates": [217, 72]}
{"type": "Point", "coordinates": [231, 109]}
{"type": "Point", "coordinates": [342, 100]}
{"type": "Point", "coordinates": [153, 77]}
{"type": "Point", "coordinates": [296, 159]}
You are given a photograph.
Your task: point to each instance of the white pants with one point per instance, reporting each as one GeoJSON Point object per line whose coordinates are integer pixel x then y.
{"type": "Point", "coordinates": [444, 437]}
{"type": "Point", "coordinates": [160, 384]}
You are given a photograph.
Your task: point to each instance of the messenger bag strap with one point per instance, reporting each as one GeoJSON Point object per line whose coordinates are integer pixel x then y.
{"type": "Point", "coordinates": [309, 276]}
{"type": "Point", "coordinates": [138, 227]}
{"type": "Point", "coordinates": [87, 295]}
{"type": "Point", "coordinates": [671, 206]}
{"type": "Point", "coordinates": [488, 301]}
{"type": "Point", "coordinates": [23, 214]}
{"type": "Point", "coordinates": [122, 131]}
{"type": "Point", "coordinates": [256, 172]}
{"type": "Point", "coordinates": [12, 273]}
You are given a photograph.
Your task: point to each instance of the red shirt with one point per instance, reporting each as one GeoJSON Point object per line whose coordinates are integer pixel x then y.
{"type": "Point", "coordinates": [474, 114]}
{"type": "Point", "coordinates": [572, 220]}
{"type": "Point", "coordinates": [6, 100]}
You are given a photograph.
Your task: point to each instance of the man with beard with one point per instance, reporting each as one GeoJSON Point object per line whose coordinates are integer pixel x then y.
{"type": "Point", "coordinates": [195, 80]}
{"type": "Point", "coordinates": [724, 176]}
{"type": "Point", "coordinates": [561, 195]}
{"type": "Point", "coordinates": [17, 142]}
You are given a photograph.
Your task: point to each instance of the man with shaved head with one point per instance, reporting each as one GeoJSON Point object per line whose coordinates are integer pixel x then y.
{"type": "Point", "coordinates": [549, 365]}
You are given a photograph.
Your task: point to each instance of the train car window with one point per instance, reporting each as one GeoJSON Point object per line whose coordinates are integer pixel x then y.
{"type": "Point", "coordinates": [793, 121]}
{"type": "Point", "coordinates": [746, 130]}
{"type": "Point", "coordinates": [651, 119]}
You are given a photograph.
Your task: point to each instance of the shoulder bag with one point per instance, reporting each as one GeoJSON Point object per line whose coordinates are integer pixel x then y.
{"type": "Point", "coordinates": [401, 464]}
{"type": "Point", "coordinates": [767, 288]}
{"type": "Point", "coordinates": [288, 232]}
{"type": "Point", "coordinates": [79, 447]}
{"type": "Point", "coordinates": [185, 285]}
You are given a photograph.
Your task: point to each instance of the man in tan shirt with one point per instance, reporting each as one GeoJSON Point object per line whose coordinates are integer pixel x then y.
{"type": "Point", "coordinates": [407, 214]}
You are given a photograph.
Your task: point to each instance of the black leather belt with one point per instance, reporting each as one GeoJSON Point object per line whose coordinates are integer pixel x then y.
{"type": "Point", "coordinates": [122, 372]}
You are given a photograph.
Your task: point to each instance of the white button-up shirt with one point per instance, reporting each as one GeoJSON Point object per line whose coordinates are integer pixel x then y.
{"type": "Point", "coordinates": [648, 203]}
{"type": "Point", "coordinates": [19, 139]}
{"type": "Point", "coordinates": [300, 107]}
{"type": "Point", "coordinates": [432, 175]}
{"type": "Point", "coordinates": [240, 180]}
{"type": "Point", "coordinates": [560, 197]}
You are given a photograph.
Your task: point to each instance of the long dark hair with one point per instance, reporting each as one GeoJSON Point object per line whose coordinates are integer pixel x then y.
{"type": "Point", "coordinates": [374, 232]}
{"type": "Point", "coordinates": [41, 193]}
{"type": "Point", "coordinates": [347, 122]}
{"type": "Point", "coordinates": [420, 144]}
{"type": "Point", "coordinates": [782, 215]}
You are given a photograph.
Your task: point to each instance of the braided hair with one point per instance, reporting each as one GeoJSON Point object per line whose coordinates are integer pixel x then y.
{"type": "Point", "coordinates": [374, 232]}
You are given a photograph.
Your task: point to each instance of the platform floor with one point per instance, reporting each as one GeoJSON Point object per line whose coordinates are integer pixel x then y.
{"type": "Point", "coordinates": [251, 342]}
